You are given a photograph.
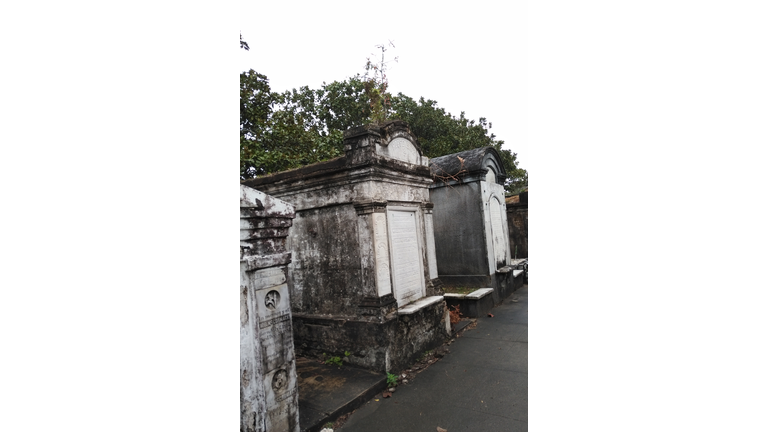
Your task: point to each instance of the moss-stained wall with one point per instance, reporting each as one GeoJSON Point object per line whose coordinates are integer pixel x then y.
{"type": "Point", "coordinates": [458, 223]}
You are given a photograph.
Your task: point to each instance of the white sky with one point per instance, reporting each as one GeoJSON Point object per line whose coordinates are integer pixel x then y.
{"type": "Point", "coordinates": [120, 138]}
{"type": "Point", "coordinates": [469, 56]}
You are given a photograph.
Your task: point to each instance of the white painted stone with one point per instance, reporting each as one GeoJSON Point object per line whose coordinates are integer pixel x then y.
{"type": "Point", "coordinates": [480, 293]}
{"type": "Point", "coordinates": [516, 273]}
{"type": "Point", "coordinates": [431, 255]}
{"type": "Point", "coordinates": [250, 197]}
{"type": "Point", "coordinates": [268, 277]}
{"type": "Point", "coordinates": [381, 251]}
{"type": "Point", "coordinates": [419, 304]}
{"type": "Point", "coordinates": [268, 384]}
{"type": "Point", "coordinates": [500, 242]}
{"type": "Point", "coordinates": [496, 229]}
{"type": "Point", "coordinates": [401, 149]}
{"type": "Point", "coordinates": [408, 275]}
{"type": "Point", "coordinates": [490, 176]}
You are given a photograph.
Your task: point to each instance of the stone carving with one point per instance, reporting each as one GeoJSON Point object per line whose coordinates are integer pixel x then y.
{"type": "Point", "coordinates": [279, 379]}
{"type": "Point", "coordinates": [272, 299]}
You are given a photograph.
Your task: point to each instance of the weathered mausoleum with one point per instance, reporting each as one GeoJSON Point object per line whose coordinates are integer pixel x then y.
{"type": "Point", "coordinates": [364, 276]}
{"type": "Point", "coordinates": [470, 221]}
{"type": "Point", "coordinates": [268, 382]}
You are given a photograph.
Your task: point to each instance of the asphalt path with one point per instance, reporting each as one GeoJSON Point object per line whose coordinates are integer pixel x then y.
{"type": "Point", "coordinates": [481, 385]}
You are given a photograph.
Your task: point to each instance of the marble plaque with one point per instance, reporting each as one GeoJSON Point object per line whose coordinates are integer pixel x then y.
{"type": "Point", "coordinates": [406, 257]}
{"type": "Point", "coordinates": [497, 230]}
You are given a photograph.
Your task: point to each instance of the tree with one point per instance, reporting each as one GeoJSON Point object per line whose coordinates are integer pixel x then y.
{"type": "Point", "coordinates": [280, 131]}
{"type": "Point", "coordinates": [439, 133]}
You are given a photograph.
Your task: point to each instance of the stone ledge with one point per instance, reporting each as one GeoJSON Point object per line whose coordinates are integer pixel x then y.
{"type": "Point", "coordinates": [480, 293]}
{"type": "Point", "coordinates": [419, 304]}
{"type": "Point", "coordinates": [473, 305]}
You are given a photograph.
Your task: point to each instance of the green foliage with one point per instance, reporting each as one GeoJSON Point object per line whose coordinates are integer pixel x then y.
{"type": "Point", "coordinates": [391, 380]}
{"type": "Point", "coordinates": [280, 131]}
{"type": "Point", "coordinates": [335, 360]}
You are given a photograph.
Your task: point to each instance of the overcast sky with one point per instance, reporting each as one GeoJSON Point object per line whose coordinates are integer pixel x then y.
{"type": "Point", "coordinates": [468, 56]}
{"type": "Point", "coordinates": [649, 140]}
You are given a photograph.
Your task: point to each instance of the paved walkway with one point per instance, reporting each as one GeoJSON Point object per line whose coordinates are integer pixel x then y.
{"type": "Point", "coordinates": [481, 385]}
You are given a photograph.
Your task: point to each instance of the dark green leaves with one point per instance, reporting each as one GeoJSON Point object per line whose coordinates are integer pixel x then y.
{"type": "Point", "coordinates": [280, 131]}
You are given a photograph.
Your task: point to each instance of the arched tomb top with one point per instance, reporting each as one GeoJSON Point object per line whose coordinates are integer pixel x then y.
{"type": "Point", "coordinates": [475, 164]}
{"type": "Point", "coordinates": [397, 142]}
{"type": "Point", "coordinates": [402, 149]}
{"type": "Point", "coordinates": [392, 140]}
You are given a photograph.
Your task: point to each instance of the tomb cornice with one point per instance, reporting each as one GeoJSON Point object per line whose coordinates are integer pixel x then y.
{"type": "Point", "coordinates": [300, 179]}
{"type": "Point", "coordinates": [368, 207]}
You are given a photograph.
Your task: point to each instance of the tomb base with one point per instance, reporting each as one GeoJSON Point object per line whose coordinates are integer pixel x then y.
{"type": "Point", "coordinates": [383, 344]}
{"type": "Point", "coordinates": [473, 305]}
{"type": "Point", "coordinates": [503, 282]}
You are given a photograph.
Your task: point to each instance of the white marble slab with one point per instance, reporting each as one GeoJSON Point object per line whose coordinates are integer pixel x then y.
{"type": "Point", "coordinates": [419, 304]}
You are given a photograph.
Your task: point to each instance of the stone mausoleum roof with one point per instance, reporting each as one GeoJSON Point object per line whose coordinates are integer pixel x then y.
{"type": "Point", "coordinates": [468, 162]}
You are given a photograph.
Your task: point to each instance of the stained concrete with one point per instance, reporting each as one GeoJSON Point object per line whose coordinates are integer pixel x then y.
{"type": "Point", "coordinates": [327, 391]}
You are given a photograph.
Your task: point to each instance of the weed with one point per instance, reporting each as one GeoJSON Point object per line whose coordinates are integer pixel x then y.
{"type": "Point", "coordinates": [391, 380]}
{"type": "Point", "coordinates": [335, 360]}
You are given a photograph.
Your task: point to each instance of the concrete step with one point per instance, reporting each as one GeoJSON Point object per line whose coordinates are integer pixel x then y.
{"type": "Point", "coordinates": [327, 392]}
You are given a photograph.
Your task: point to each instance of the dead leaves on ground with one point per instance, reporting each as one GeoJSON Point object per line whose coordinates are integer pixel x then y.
{"type": "Point", "coordinates": [455, 314]}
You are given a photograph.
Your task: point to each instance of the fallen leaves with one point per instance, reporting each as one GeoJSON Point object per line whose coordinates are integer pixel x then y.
{"type": "Point", "coordinates": [455, 314]}
{"type": "Point", "coordinates": [439, 429]}
{"type": "Point", "coordinates": [490, 314]}
{"type": "Point", "coordinates": [387, 394]}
